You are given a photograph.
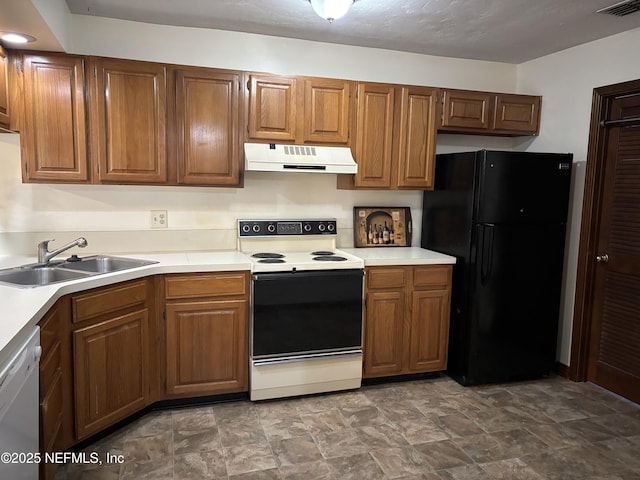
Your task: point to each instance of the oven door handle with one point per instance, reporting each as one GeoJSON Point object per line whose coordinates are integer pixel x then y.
{"type": "Point", "coordinates": [300, 358]}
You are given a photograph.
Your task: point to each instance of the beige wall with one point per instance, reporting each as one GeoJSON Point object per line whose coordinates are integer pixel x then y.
{"type": "Point", "coordinates": [566, 81]}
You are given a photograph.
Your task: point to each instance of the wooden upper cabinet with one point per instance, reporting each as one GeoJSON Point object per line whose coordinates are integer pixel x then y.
{"type": "Point", "coordinates": [485, 113]}
{"type": "Point", "coordinates": [326, 110]}
{"type": "Point", "coordinates": [466, 109]}
{"type": "Point", "coordinates": [4, 89]}
{"type": "Point", "coordinates": [53, 140]}
{"type": "Point", "coordinates": [417, 137]}
{"type": "Point", "coordinates": [517, 113]}
{"type": "Point", "coordinates": [273, 108]}
{"type": "Point", "coordinates": [206, 128]}
{"type": "Point", "coordinates": [128, 121]}
{"type": "Point", "coordinates": [374, 135]}
{"type": "Point", "coordinates": [299, 109]}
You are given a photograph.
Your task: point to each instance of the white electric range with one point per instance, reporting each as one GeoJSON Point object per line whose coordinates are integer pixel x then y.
{"type": "Point", "coordinates": [306, 308]}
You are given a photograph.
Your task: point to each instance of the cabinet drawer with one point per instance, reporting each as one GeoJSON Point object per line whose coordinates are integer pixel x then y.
{"type": "Point", "coordinates": [386, 278]}
{"type": "Point", "coordinates": [431, 276]}
{"type": "Point", "coordinates": [209, 285]}
{"type": "Point", "coordinates": [107, 300]}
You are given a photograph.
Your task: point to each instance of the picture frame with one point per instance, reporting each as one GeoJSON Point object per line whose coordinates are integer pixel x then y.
{"type": "Point", "coordinates": [382, 227]}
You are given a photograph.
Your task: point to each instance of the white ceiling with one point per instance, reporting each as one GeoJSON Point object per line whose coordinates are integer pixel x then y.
{"type": "Point", "coordinates": [512, 31]}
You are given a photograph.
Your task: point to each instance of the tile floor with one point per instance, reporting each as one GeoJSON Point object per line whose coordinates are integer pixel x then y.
{"type": "Point", "coordinates": [424, 429]}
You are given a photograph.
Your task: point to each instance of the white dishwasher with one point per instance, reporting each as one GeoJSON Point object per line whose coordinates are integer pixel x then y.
{"type": "Point", "coordinates": [19, 412]}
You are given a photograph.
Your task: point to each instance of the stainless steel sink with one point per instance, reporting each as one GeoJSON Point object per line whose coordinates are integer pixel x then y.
{"type": "Point", "coordinates": [45, 274]}
{"type": "Point", "coordinates": [103, 264]}
{"type": "Point", "coordinates": [36, 276]}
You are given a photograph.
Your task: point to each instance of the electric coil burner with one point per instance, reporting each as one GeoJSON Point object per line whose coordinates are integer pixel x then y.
{"type": "Point", "coordinates": [306, 312]}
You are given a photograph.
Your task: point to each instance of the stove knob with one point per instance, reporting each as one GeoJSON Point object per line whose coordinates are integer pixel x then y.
{"type": "Point", "coordinates": [331, 227]}
{"type": "Point", "coordinates": [271, 228]}
{"type": "Point", "coordinates": [307, 227]}
{"type": "Point", "coordinates": [321, 227]}
{"type": "Point", "coordinates": [256, 227]}
{"type": "Point", "coordinates": [246, 228]}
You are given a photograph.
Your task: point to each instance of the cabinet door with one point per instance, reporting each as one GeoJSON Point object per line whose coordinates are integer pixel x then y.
{"type": "Point", "coordinates": [466, 109]}
{"type": "Point", "coordinates": [374, 135]}
{"type": "Point", "coordinates": [4, 89]}
{"type": "Point", "coordinates": [517, 113]}
{"type": "Point", "coordinates": [417, 137]}
{"type": "Point", "coordinates": [383, 335]}
{"type": "Point", "coordinates": [208, 139]}
{"type": "Point", "coordinates": [428, 334]}
{"type": "Point", "coordinates": [53, 138]}
{"type": "Point", "coordinates": [326, 110]}
{"type": "Point", "coordinates": [111, 371]}
{"type": "Point", "coordinates": [273, 108]}
{"type": "Point", "coordinates": [128, 121]}
{"type": "Point", "coordinates": [207, 347]}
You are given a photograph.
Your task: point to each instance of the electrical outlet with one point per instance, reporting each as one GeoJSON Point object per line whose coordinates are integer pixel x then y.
{"type": "Point", "coordinates": [159, 219]}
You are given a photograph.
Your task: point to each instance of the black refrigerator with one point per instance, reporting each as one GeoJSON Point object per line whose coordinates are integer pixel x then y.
{"type": "Point", "coordinates": [503, 216]}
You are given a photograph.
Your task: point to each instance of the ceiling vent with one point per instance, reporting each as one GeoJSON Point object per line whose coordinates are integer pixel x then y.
{"type": "Point", "coordinates": [621, 9]}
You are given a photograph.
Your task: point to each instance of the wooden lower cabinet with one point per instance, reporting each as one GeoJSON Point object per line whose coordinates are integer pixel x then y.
{"type": "Point", "coordinates": [206, 334]}
{"type": "Point", "coordinates": [112, 355]}
{"type": "Point", "coordinates": [56, 405]}
{"type": "Point", "coordinates": [406, 319]}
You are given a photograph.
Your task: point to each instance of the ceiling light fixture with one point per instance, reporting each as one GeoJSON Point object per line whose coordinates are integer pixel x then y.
{"type": "Point", "coordinates": [331, 9]}
{"type": "Point", "coordinates": [14, 37]}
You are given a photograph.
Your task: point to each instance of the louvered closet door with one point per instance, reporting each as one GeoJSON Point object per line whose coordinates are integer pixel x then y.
{"type": "Point", "coordinates": [614, 358]}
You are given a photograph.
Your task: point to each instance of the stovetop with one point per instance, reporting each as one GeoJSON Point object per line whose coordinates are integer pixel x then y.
{"type": "Point", "coordinates": [288, 245]}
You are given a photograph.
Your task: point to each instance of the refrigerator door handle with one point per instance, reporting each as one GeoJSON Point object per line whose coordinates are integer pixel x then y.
{"type": "Point", "coordinates": [486, 255]}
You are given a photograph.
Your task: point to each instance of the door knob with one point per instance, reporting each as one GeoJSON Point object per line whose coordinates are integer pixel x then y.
{"type": "Point", "coordinates": [602, 258]}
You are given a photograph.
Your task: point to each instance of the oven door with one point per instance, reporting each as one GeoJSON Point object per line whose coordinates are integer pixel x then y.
{"type": "Point", "coordinates": [306, 312]}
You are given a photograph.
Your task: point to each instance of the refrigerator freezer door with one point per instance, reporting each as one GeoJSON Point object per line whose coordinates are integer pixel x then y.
{"type": "Point", "coordinates": [522, 187]}
{"type": "Point", "coordinates": [515, 286]}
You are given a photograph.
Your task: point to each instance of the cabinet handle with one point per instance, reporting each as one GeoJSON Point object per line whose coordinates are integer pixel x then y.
{"type": "Point", "coordinates": [602, 258]}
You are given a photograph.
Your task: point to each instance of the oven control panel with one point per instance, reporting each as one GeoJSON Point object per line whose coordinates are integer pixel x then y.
{"type": "Point", "coordinates": [268, 228]}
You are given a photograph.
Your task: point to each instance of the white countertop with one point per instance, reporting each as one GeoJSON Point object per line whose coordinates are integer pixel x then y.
{"type": "Point", "coordinates": [22, 308]}
{"type": "Point", "coordinates": [380, 256]}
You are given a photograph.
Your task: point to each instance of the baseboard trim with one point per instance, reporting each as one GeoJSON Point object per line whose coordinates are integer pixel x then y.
{"type": "Point", "coordinates": [562, 370]}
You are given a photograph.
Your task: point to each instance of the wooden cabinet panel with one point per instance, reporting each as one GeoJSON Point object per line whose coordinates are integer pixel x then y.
{"type": "Point", "coordinates": [56, 404]}
{"type": "Point", "coordinates": [466, 109]}
{"type": "Point", "coordinates": [206, 347]}
{"type": "Point", "coordinates": [429, 330]}
{"type": "Point", "coordinates": [207, 127]}
{"type": "Point", "coordinates": [406, 319]}
{"type": "Point", "coordinates": [391, 277]}
{"type": "Point", "coordinates": [206, 285]}
{"type": "Point", "coordinates": [383, 336]}
{"type": "Point", "coordinates": [517, 113]}
{"type": "Point", "coordinates": [111, 361]}
{"type": "Point", "coordinates": [326, 110]}
{"type": "Point", "coordinates": [273, 108]}
{"type": "Point", "coordinates": [432, 275]}
{"type": "Point", "coordinates": [53, 140]}
{"type": "Point", "coordinates": [106, 300]}
{"type": "Point", "coordinates": [374, 135]}
{"type": "Point", "coordinates": [128, 121]}
{"type": "Point", "coordinates": [4, 89]}
{"type": "Point", "coordinates": [417, 137]}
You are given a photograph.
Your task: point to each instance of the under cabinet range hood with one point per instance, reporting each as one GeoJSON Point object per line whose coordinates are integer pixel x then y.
{"type": "Point", "coordinates": [271, 157]}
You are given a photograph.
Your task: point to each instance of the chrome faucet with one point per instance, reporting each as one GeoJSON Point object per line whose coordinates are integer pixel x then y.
{"type": "Point", "coordinates": [44, 255]}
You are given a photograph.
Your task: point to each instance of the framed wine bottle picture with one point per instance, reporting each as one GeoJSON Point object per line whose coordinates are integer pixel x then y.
{"type": "Point", "coordinates": [382, 226]}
